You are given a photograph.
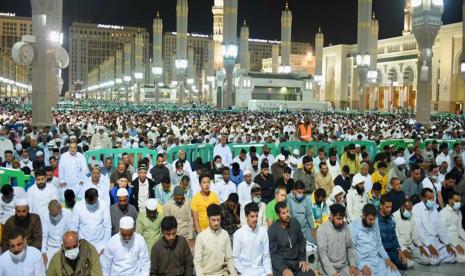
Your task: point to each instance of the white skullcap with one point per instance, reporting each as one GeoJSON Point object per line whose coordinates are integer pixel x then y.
{"type": "Point", "coordinates": [22, 201]}
{"type": "Point", "coordinates": [39, 153]}
{"type": "Point", "coordinates": [357, 145]}
{"type": "Point", "coordinates": [399, 161]}
{"type": "Point", "coordinates": [126, 223]}
{"type": "Point", "coordinates": [358, 178]}
{"type": "Point", "coordinates": [296, 152]}
{"type": "Point", "coordinates": [281, 157]}
{"type": "Point", "coordinates": [153, 128]}
{"type": "Point", "coordinates": [122, 192]}
{"type": "Point", "coordinates": [247, 172]}
{"type": "Point", "coordinates": [151, 204]}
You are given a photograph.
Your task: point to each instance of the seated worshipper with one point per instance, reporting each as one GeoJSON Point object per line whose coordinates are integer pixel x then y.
{"type": "Point", "coordinates": [431, 181]}
{"type": "Point", "coordinates": [230, 214]}
{"type": "Point", "coordinates": [70, 200]}
{"type": "Point", "coordinates": [433, 233]}
{"type": "Point", "coordinates": [99, 182]}
{"type": "Point", "coordinates": [177, 174]}
{"type": "Point", "coordinates": [412, 186]}
{"type": "Point", "coordinates": [256, 193]}
{"type": "Point", "coordinates": [336, 197]}
{"type": "Point", "coordinates": [91, 219]}
{"type": "Point", "coordinates": [333, 236]}
{"type": "Point", "coordinates": [287, 245]}
{"type": "Point", "coordinates": [30, 223]}
{"type": "Point", "coordinates": [277, 169]}
{"type": "Point", "coordinates": [213, 253]}
{"type": "Point", "coordinates": [448, 186]}
{"type": "Point", "coordinates": [451, 218]}
{"type": "Point", "coordinates": [344, 180]}
{"type": "Point", "coordinates": [324, 180]}
{"type": "Point", "coordinates": [159, 170]}
{"type": "Point", "coordinates": [180, 208]}
{"type": "Point", "coordinates": [399, 170]}
{"type": "Point", "coordinates": [374, 196]}
{"type": "Point", "coordinates": [306, 175]}
{"type": "Point", "coordinates": [75, 257]}
{"type": "Point", "coordinates": [186, 186]}
{"type": "Point", "coordinates": [20, 259]}
{"type": "Point", "coordinates": [371, 257]}
{"type": "Point", "coordinates": [407, 235]}
{"type": "Point", "coordinates": [7, 204]}
{"type": "Point", "coordinates": [251, 246]}
{"type": "Point", "coordinates": [120, 171]}
{"type": "Point", "coordinates": [164, 191]}
{"type": "Point", "coordinates": [121, 209]}
{"type": "Point", "coordinates": [40, 194]}
{"type": "Point", "coordinates": [396, 195]}
{"type": "Point", "coordinates": [266, 182]}
{"type": "Point", "coordinates": [356, 198]}
{"type": "Point", "coordinates": [171, 255]}
{"type": "Point", "coordinates": [351, 159]}
{"type": "Point", "coordinates": [123, 182]}
{"type": "Point", "coordinates": [286, 180]}
{"type": "Point", "coordinates": [148, 224]}
{"type": "Point", "coordinates": [126, 252]}
{"type": "Point", "coordinates": [319, 208]}
{"type": "Point", "coordinates": [201, 201]}
{"type": "Point", "coordinates": [186, 164]}
{"type": "Point", "coordinates": [387, 230]}
{"type": "Point", "coordinates": [243, 189]}
{"type": "Point", "coordinates": [237, 175]}
{"type": "Point", "coordinates": [380, 176]}
{"type": "Point", "coordinates": [216, 169]}
{"type": "Point", "coordinates": [279, 195]}
{"type": "Point", "coordinates": [225, 187]}
{"type": "Point", "coordinates": [54, 227]}
{"type": "Point", "coordinates": [142, 189]}
{"type": "Point", "coordinates": [334, 167]}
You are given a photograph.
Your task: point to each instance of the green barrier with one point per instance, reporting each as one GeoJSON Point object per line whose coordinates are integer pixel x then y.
{"type": "Point", "coordinates": [6, 175]}
{"type": "Point", "coordinates": [370, 146]}
{"type": "Point", "coordinates": [302, 147]}
{"type": "Point", "coordinates": [399, 143]}
{"type": "Point", "coordinates": [115, 154]}
{"type": "Point", "coordinates": [450, 143]}
{"type": "Point", "coordinates": [204, 151]}
{"type": "Point", "coordinates": [236, 148]}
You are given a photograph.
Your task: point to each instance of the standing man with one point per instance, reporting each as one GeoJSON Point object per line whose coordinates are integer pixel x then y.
{"type": "Point", "coordinates": [251, 246]}
{"type": "Point", "coordinates": [126, 252]}
{"type": "Point", "coordinates": [40, 194]}
{"type": "Point", "coordinates": [371, 257]}
{"type": "Point", "coordinates": [213, 253]}
{"type": "Point", "coordinates": [180, 208]}
{"type": "Point", "coordinates": [356, 198]}
{"type": "Point", "coordinates": [301, 209]}
{"type": "Point", "coordinates": [223, 151]}
{"type": "Point", "coordinates": [148, 224]}
{"type": "Point", "coordinates": [20, 259]}
{"type": "Point", "coordinates": [225, 187]}
{"type": "Point", "coordinates": [323, 179]}
{"type": "Point", "coordinates": [331, 237]}
{"type": "Point", "coordinates": [266, 182]}
{"type": "Point", "coordinates": [91, 219]}
{"type": "Point", "coordinates": [413, 186]}
{"type": "Point", "coordinates": [142, 189]}
{"type": "Point", "coordinates": [171, 255]}
{"type": "Point", "coordinates": [159, 171]}
{"type": "Point", "coordinates": [121, 209]}
{"type": "Point", "coordinates": [287, 245]}
{"type": "Point", "coordinates": [201, 201]}
{"type": "Point", "coordinates": [99, 182]}
{"type": "Point", "coordinates": [256, 193]}
{"type": "Point", "coordinates": [244, 188]}
{"type": "Point", "coordinates": [305, 130]}
{"type": "Point", "coordinates": [306, 175]}
{"type": "Point", "coordinates": [73, 169]}
{"type": "Point", "coordinates": [271, 215]}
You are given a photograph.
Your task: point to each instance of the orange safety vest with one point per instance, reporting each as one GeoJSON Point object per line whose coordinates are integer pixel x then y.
{"type": "Point", "coordinates": [305, 133]}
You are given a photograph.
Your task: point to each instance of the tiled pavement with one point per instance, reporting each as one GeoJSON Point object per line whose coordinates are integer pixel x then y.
{"type": "Point", "coordinates": [441, 270]}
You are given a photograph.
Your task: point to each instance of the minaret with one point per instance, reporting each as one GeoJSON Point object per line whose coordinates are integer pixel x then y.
{"type": "Point", "coordinates": [139, 55]}
{"type": "Point", "coordinates": [407, 18]}
{"type": "Point", "coordinates": [319, 42]}
{"type": "Point", "coordinates": [157, 41]}
{"type": "Point", "coordinates": [374, 42]}
{"type": "Point", "coordinates": [364, 25]}
{"type": "Point", "coordinates": [182, 10]}
{"type": "Point", "coordinates": [231, 49]}
{"type": "Point", "coordinates": [190, 64]}
{"type": "Point", "coordinates": [244, 55]}
{"type": "Point", "coordinates": [218, 13]}
{"type": "Point", "coordinates": [275, 57]}
{"type": "Point", "coordinates": [286, 34]}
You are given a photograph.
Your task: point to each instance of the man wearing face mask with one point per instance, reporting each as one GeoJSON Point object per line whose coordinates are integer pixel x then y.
{"type": "Point", "coordinates": [121, 209]}
{"type": "Point", "coordinates": [332, 236]}
{"type": "Point", "coordinates": [178, 173]}
{"type": "Point", "coordinates": [431, 181]}
{"type": "Point", "coordinates": [407, 235]}
{"type": "Point", "coordinates": [148, 224]}
{"type": "Point", "coordinates": [180, 208]}
{"type": "Point", "coordinates": [91, 219]}
{"type": "Point", "coordinates": [20, 259]}
{"type": "Point", "coordinates": [76, 257]}
{"type": "Point", "coordinates": [54, 227]}
{"type": "Point", "coordinates": [371, 257]}
{"type": "Point", "coordinates": [433, 233]}
{"type": "Point", "coordinates": [256, 197]}
{"type": "Point", "coordinates": [356, 198]}
{"type": "Point", "coordinates": [300, 208]}
{"type": "Point", "coordinates": [28, 222]}
{"type": "Point", "coordinates": [126, 252]}
{"type": "Point", "coordinates": [451, 218]}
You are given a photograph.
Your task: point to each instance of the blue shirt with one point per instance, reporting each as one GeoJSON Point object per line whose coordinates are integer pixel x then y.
{"type": "Point", "coordinates": [302, 211]}
{"type": "Point", "coordinates": [237, 179]}
{"type": "Point", "coordinates": [387, 229]}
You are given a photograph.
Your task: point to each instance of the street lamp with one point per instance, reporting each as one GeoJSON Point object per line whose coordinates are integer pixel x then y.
{"type": "Point", "coordinates": [157, 71]}
{"type": "Point", "coordinates": [127, 81]}
{"type": "Point", "coordinates": [363, 62]}
{"type": "Point", "coordinates": [426, 24]}
{"type": "Point", "coordinates": [229, 53]}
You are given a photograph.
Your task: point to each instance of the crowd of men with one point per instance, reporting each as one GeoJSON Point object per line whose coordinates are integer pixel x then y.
{"type": "Point", "coordinates": [296, 213]}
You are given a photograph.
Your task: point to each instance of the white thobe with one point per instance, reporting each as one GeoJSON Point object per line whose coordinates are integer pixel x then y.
{"type": "Point", "coordinates": [355, 203]}
{"type": "Point", "coordinates": [261, 215]}
{"type": "Point", "coordinates": [243, 165]}
{"type": "Point", "coordinates": [432, 232]}
{"type": "Point", "coordinates": [243, 191]}
{"type": "Point", "coordinates": [31, 265]}
{"type": "Point", "coordinates": [225, 153]}
{"type": "Point", "coordinates": [7, 210]}
{"type": "Point", "coordinates": [126, 259]}
{"type": "Point", "coordinates": [335, 170]}
{"type": "Point", "coordinates": [441, 158]}
{"type": "Point", "coordinates": [136, 175]}
{"type": "Point", "coordinates": [73, 170]}
{"type": "Point", "coordinates": [269, 157]}
{"type": "Point", "coordinates": [95, 227]}
{"type": "Point", "coordinates": [195, 184]}
{"type": "Point", "coordinates": [251, 251]}
{"type": "Point", "coordinates": [436, 186]}
{"type": "Point", "coordinates": [187, 166]}
{"type": "Point", "coordinates": [368, 183]}
{"type": "Point", "coordinates": [223, 189]}
{"type": "Point", "coordinates": [39, 199]}
{"type": "Point", "coordinates": [103, 188]}
{"type": "Point", "coordinates": [452, 221]}
{"type": "Point", "coordinates": [5, 144]}
{"type": "Point", "coordinates": [52, 234]}
{"type": "Point", "coordinates": [26, 163]}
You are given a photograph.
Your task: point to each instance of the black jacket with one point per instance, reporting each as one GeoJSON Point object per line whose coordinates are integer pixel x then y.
{"type": "Point", "coordinates": [134, 200]}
